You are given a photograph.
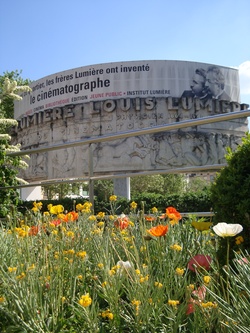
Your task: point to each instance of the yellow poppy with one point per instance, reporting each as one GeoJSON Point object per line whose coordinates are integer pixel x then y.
{"type": "Point", "coordinates": [201, 226]}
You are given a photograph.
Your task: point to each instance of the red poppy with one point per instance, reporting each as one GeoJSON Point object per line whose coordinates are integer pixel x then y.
{"type": "Point", "coordinates": [122, 222]}
{"type": "Point", "coordinates": [56, 222]}
{"type": "Point", "coordinates": [158, 231]}
{"type": "Point", "coordinates": [200, 260]}
{"type": "Point", "coordinates": [173, 214]}
{"type": "Point", "coordinates": [190, 307]}
{"type": "Point", "coordinates": [33, 231]}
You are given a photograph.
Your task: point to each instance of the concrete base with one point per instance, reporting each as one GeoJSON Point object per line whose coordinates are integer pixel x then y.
{"type": "Point", "coordinates": [31, 193]}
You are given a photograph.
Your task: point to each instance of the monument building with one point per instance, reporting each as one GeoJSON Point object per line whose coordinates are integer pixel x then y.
{"type": "Point", "coordinates": [105, 99]}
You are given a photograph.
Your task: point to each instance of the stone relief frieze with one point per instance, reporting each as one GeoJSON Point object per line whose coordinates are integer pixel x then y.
{"type": "Point", "coordinates": [38, 167]}
{"type": "Point", "coordinates": [62, 163]}
{"type": "Point", "coordinates": [164, 150]}
{"type": "Point", "coordinates": [193, 146]}
{"type": "Point", "coordinates": [128, 152]}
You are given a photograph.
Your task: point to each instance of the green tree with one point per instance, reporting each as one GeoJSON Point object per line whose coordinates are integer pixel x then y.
{"type": "Point", "coordinates": [146, 184]}
{"type": "Point", "coordinates": [103, 189]}
{"type": "Point", "coordinates": [174, 183]}
{"type": "Point", "coordinates": [56, 191]}
{"type": "Point", "coordinates": [60, 191]}
{"type": "Point", "coordinates": [159, 184]}
{"type": "Point", "coordinates": [9, 165]}
{"type": "Point", "coordinates": [7, 105]}
{"type": "Point", "coordinates": [230, 191]}
{"type": "Point", "coordinates": [197, 183]}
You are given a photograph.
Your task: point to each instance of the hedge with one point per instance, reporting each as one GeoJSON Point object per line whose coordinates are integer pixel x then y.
{"type": "Point", "coordinates": [187, 202]}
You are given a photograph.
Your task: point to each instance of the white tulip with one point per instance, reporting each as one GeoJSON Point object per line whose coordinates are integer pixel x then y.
{"type": "Point", "coordinates": [227, 230]}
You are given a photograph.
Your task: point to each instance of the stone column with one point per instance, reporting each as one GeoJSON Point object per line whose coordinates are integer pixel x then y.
{"type": "Point", "coordinates": [122, 187]}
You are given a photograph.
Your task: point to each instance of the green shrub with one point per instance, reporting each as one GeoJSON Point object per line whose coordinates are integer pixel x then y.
{"type": "Point", "coordinates": [195, 202]}
{"type": "Point", "coordinates": [122, 206]}
{"type": "Point", "coordinates": [187, 202]}
{"type": "Point", "coordinates": [9, 198]}
{"type": "Point", "coordinates": [150, 200]}
{"type": "Point", "coordinates": [230, 191]}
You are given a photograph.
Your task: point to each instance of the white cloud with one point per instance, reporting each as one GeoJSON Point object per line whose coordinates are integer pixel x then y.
{"type": "Point", "coordinates": [244, 73]}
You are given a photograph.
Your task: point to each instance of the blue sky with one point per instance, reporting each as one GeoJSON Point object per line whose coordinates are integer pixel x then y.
{"type": "Point", "coordinates": [42, 37]}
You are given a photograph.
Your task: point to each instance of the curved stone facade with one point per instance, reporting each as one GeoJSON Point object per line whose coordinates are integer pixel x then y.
{"type": "Point", "coordinates": [116, 100]}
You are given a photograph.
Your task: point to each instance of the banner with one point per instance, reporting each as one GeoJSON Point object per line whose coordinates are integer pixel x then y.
{"type": "Point", "coordinates": [153, 78]}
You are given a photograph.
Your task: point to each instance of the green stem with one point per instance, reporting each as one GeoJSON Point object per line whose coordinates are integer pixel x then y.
{"type": "Point", "coordinates": [227, 268]}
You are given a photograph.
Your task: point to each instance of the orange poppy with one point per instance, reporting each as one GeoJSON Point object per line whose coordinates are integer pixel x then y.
{"type": "Point", "coordinates": [71, 216]}
{"type": "Point", "coordinates": [158, 231]}
{"type": "Point", "coordinates": [173, 214]}
{"type": "Point", "coordinates": [122, 222]}
{"type": "Point", "coordinates": [150, 218]}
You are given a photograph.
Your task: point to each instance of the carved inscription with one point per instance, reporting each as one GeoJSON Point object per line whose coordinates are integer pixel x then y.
{"type": "Point", "coordinates": [188, 147]}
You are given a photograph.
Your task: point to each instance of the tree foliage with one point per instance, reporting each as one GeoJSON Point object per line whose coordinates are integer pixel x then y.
{"type": "Point", "coordinates": [8, 97]}
{"type": "Point", "coordinates": [62, 190]}
{"type": "Point", "coordinates": [197, 183]}
{"type": "Point", "coordinates": [160, 184]}
{"type": "Point", "coordinates": [230, 191]}
{"type": "Point", "coordinates": [9, 165]}
{"type": "Point", "coordinates": [103, 189]}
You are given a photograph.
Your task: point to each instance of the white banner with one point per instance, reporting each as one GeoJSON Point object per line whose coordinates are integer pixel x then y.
{"type": "Point", "coordinates": [160, 78]}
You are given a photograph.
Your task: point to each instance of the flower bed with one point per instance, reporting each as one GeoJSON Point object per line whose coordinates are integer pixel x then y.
{"type": "Point", "coordinates": [79, 272]}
